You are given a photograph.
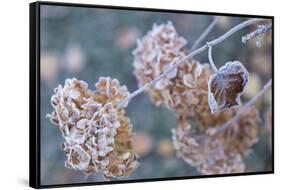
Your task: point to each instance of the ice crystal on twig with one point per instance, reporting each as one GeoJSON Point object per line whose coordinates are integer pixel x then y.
{"type": "Point", "coordinates": [261, 30]}
{"type": "Point", "coordinates": [98, 137]}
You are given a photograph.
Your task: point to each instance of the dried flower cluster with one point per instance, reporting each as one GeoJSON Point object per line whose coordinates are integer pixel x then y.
{"type": "Point", "coordinates": [98, 137]}
{"type": "Point", "coordinates": [184, 88]}
{"type": "Point", "coordinates": [223, 152]}
{"type": "Point", "coordinates": [185, 92]}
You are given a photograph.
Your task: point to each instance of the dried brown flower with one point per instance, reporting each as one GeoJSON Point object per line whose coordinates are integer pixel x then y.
{"type": "Point", "coordinates": [223, 152]}
{"type": "Point", "coordinates": [208, 155]}
{"type": "Point", "coordinates": [98, 137]}
{"type": "Point", "coordinates": [185, 88]}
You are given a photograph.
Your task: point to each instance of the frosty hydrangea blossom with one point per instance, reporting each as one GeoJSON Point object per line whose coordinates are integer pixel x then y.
{"type": "Point", "coordinates": [222, 153]}
{"type": "Point", "coordinates": [208, 158]}
{"type": "Point", "coordinates": [185, 88]}
{"type": "Point", "coordinates": [98, 137]}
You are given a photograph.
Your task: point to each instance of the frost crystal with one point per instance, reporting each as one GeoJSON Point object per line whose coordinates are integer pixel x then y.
{"type": "Point", "coordinates": [97, 135]}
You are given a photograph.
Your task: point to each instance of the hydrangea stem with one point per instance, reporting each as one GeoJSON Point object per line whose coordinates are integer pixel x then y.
{"type": "Point", "coordinates": [205, 34]}
{"type": "Point", "coordinates": [211, 58]}
{"type": "Point", "coordinates": [189, 56]}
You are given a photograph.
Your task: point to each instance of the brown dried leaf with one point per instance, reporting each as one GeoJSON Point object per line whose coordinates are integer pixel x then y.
{"type": "Point", "coordinates": [226, 86]}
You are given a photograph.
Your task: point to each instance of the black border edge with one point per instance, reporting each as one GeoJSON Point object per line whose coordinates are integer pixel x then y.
{"type": "Point", "coordinates": [34, 120]}
{"type": "Point", "coordinates": [34, 97]}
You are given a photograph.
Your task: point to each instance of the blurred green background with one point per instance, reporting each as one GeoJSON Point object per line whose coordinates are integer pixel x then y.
{"type": "Point", "coordinates": [87, 43]}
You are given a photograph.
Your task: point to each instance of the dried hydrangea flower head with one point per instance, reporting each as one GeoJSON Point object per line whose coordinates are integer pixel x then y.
{"type": "Point", "coordinates": [185, 88]}
{"type": "Point", "coordinates": [98, 137]}
{"type": "Point", "coordinates": [226, 86]}
{"type": "Point", "coordinates": [222, 153]}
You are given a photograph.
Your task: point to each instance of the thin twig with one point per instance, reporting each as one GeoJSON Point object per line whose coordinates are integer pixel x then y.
{"type": "Point", "coordinates": [205, 34]}
{"type": "Point", "coordinates": [211, 58]}
{"type": "Point", "coordinates": [190, 55]}
{"type": "Point", "coordinates": [262, 29]}
{"type": "Point", "coordinates": [235, 119]}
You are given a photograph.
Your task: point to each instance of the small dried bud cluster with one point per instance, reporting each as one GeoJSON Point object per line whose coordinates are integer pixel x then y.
{"type": "Point", "coordinates": [184, 88]}
{"type": "Point", "coordinates": [98, 137]}
{"type": "Point", "coordinates": [185, 92]}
